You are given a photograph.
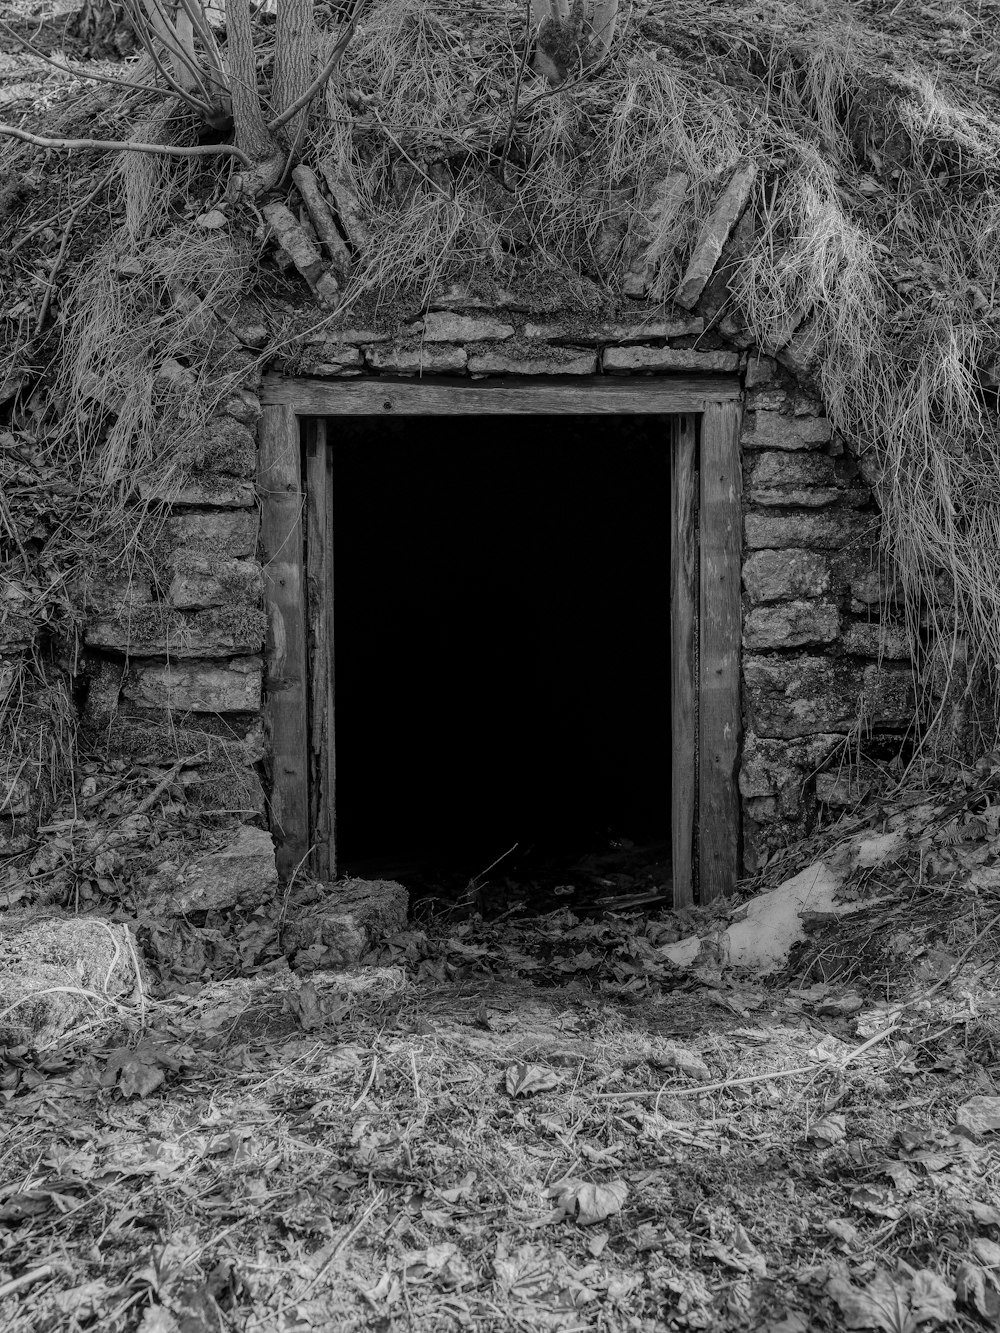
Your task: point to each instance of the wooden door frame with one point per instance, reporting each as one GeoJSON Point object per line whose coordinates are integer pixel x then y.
{"type": "Point", "coordinates": [705, 604]}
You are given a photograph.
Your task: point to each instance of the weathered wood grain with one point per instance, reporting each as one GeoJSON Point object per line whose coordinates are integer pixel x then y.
{"type": "Point", "coordinates": [319, 602]}
{"type": "Point", "coordinates": [719, 652]}
{"type": "Point", "coordinates": [542, 397]}
{"type": "Point", "coordinates": [683, 653]}
{"type": "Point", "coordinates": [286, 701]}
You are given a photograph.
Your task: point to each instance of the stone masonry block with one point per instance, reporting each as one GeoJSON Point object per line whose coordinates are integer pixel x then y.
{"type": "Point", "coordinates": [331, 358]}
{"type": "Point", "coordinates": [201, 581]}
{"type": "Point", "coordinates": [868, 581]}
{"type": "Point", "coordinates": [771, 430]}
{"type": "Point", "coordinates": [766, 400]}
{"type": "Point", "coordinates": [802, 696]}
{"type": "Point", "coordinates": [791, 625]}
{"type": "Point", "coordinates": [801, 480]}
{"type": "Point", "coordinates": [161, 631]}
{"type": "Point", "coordinates": [227, 445]}
{"type": "Point", "coordinates": [624, 359]}
{"type": "Point", "coordinates": [242, 406]}
{"type": "Point", "coordinates": [198, 687]}
{"type": "Point", "coordinates": [441, 326]}
{"type": "Point", "coordinates": [778, 576]}
{"type": "Point", "coordinates": [229, 535]}
{"type": "Point", "coordinates": [585, 333]}
{"type": "Point", "coordinates": [889, 699]}
{"type": "Point", "coordinates": [115, 595]}
{"type": "Point", "coordinates": [824, 530]}
{"type": "Point", "coordinates": [779, 769]}
{"type": "Point", "coordinates": [422, 359]}
{"type": "Point", "coordinates": [868, 638]}
{"type": "Point", "coordinates": [547, 361]}
{"type": "Point", "coordinates": [760, 370]}
{"type": "Point", "coordinates": [207, 488]}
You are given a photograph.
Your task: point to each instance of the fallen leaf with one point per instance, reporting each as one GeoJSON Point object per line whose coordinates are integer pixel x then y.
{"type": "Point", "coordinates": [843, 1230]}
{"type": "Point", "coordinates": [931, 1299]}
{"type": "Point", "coordinates": [896, 1305]}
{"type": "Point", "coordinates": [83, 1302]}
{"type": "Point", "coordinates": [987, 1252]}
{"type": "Point", "coordinates": [902, 1177]}
{"type": "Point", "coordinates": [586, 1202]}
{"type": "Point", "coordinates": [829, 1129]}
{"type": "Point", "coordinates": [671, 1056]}
{"type": "Point", "coordinates": [158, 1319]}
{"type": "Point", "coordinates": [18, 1207]}
{"type": "Point", "coordinates": [523, 1080]}
{"type": "Point", "coordinates": [877, 1199]}
{"type": "Point", "coordinates": [840, 1006]}
{"type": "Point", "coordinates": [986, 1214]}
{"type": "Point", "coordinates": [972, 1289]}
{"type": "Point", "coordinates": [978, 1116]}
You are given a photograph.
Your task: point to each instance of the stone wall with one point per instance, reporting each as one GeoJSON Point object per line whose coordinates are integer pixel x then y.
{"type": "Point", "coordinates": [818, 665]}
{"type": "Point", "coordinates": [174, 654]}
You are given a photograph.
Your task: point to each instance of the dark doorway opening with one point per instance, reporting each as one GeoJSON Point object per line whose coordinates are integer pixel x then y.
{"type": "Point", "coordinates": [502, 640]}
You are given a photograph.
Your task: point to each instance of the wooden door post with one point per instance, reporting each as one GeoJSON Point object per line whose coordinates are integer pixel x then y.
{"type": "Point", "coordinates": [286, 696]}
{"type": "Point", "coordinates": [683, 654]}
{"type": "Point", "coordinates": [319, 601]}
{"type": "Point", "coordinates": [719, 715]}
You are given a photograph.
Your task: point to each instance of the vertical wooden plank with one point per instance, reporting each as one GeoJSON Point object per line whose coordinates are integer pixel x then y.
{"type": "Point", "coordinates": [319, 600]}
{"type": "Point", "coordinates": [286, 702]}
{"type": "Point", "coordinates": [683, 654]}
{"type": "Point", "coordinates": [719, 665]}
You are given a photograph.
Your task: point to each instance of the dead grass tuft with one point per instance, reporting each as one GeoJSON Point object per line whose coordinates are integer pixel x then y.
{"type": "Point", "coordinates": [870, 243]}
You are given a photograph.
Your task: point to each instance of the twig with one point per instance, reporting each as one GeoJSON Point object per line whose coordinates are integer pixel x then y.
{"type": "Point", "coordinates": [817, 1066]}
{"type": "Point", "coordinates": [149, 801]}
{"type": "Point", "coordinates": [367, 1087]}
{"type": "Point", "coordinates": [493, 864]}
{"type": "Point", "coordinates": [415, 165]}
{"type": "Point", "coordinates": [67, 232]}
{"type": "Point", "coordinates": [141, 26]}
{"type": "Point", "coordinates": [342, 1244]}
{"type": "Point", "coordinates": [26, 1280]}
{"type": "Point", "coordinates": [517, 91]}
{"type": "Point", "coordinates": [119, 145]}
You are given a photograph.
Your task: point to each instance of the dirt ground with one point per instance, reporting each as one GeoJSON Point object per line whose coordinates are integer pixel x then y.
{"type": "Point", "coordinates": [534, 1123]}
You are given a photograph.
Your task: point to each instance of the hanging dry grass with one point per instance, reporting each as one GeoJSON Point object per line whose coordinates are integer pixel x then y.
{"type": "Point", "coordinates": [875, 225]}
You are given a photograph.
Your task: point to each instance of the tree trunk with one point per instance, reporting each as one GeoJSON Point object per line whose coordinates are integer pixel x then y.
{"type": "Point", "coordinates": [104, 27]}
{"type": "Point", "coordinates": [293, 58]}
{"type": "Point", "coordinates": [252, 134]}
{"type": "Point", "coordinates": [572, 35]}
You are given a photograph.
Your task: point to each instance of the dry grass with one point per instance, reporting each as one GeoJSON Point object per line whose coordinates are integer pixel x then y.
{"type": "Point", "coordinates": [875, 220]}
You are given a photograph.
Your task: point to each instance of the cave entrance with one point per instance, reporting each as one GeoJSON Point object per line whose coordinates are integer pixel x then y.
{"type": "Point", "coordinates": [503, 613]}
{"type": "Point", "coordinates": [502, 643]}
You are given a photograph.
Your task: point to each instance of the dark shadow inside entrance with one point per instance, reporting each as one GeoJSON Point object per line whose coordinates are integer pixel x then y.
{"type": "Point", "coordinates": [502, 640]}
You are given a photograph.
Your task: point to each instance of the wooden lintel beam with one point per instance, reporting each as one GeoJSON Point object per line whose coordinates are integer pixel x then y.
{"type": "Point", "coordinates": [543, 396]}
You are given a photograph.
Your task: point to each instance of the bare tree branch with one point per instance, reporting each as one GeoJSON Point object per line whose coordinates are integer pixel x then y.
{"type": "Point", "coordinates": [121, 145]}
{"type": "Point", "coordinates": [142, 28]}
